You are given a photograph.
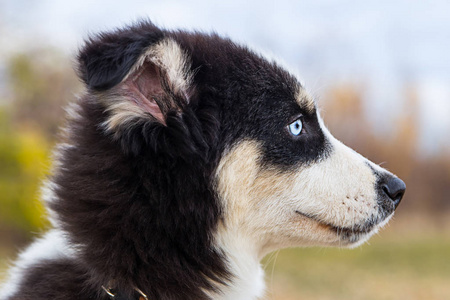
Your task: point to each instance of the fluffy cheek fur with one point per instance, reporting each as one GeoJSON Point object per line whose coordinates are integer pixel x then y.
{"type": "Point", "coordinates": [339, 191]}
{"type": "Point", "coordinates": [274, 208]}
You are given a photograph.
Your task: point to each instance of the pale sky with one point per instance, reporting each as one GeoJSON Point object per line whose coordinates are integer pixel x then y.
{"type": "Point", "coordinates": [383, 45]}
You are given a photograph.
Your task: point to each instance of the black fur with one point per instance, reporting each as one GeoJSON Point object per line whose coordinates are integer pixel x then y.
{"type": "Point", "coordinates": [141, 207]}
{"type": "Point", "coordinates": [142, 220]}
{"type": "Point", "coordinates": [57, 280]}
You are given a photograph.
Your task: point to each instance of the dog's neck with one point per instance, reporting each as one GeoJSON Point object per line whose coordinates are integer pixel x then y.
{"type": "Point", "coordinates": [243, 260]}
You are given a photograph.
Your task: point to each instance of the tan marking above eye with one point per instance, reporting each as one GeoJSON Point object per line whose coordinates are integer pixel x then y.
{"type": "Point", "coordinates": [304, 100]}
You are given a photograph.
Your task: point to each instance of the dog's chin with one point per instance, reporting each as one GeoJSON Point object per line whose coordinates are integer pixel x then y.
{"type": "Point", "coordinates": [352, 237]}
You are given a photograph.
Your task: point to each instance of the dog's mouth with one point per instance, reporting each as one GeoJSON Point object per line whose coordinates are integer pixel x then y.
{"type": "Point", "coordinates": [350, 235]}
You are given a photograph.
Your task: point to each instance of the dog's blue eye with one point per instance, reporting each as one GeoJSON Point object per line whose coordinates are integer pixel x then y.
{"type": "Point", "coordinates": [295, 128]}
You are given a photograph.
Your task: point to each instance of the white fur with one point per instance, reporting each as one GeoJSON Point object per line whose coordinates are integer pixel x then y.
{"type": "Point", "coordinates": [123, 112]}
{"type": "Point", "coordinates": [53, 245]}
{"type": "Point", "coordinates": [244, 264]}
{"type": "Point", "coordinates": [48, 196]}
{"type": "Point", "coordinates": [339, 190]}
{"type": "Point", "coordinates": [174, 61]}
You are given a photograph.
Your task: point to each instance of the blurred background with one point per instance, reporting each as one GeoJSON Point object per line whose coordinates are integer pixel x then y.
{"type": "Point", "coordinates": [379, 70]}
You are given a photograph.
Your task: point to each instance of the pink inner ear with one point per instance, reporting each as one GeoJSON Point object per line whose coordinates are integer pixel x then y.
{"type": "Point", "coordinates": [145, 87]}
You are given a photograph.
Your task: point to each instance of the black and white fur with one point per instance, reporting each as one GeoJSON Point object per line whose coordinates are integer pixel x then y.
{"type": "Point", "coordinates": [177, 174]}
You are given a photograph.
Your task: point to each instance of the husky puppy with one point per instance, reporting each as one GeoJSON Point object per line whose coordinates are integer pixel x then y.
{"type": "Point", "coordinates": [185, 162]}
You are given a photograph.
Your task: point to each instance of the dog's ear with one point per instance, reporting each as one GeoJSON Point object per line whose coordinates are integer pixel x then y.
{"type": "Point", "coordinates": [143, 80]}
{"type": "Point", "coordinates": [107, 58]}
{"type": "Point", "coordinates": [138, 74]}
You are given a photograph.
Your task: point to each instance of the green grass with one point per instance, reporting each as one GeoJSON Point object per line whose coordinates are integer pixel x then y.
{"type": "Point", "coordinates": [388, 268]}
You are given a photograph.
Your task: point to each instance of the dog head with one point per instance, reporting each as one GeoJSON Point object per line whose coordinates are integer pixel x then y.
{"type": "Point", "coordinates": [187, 142]}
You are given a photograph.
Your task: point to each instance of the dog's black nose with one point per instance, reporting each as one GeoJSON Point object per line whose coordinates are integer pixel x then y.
{"type": "Point", "coordinates": [395, 189]}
